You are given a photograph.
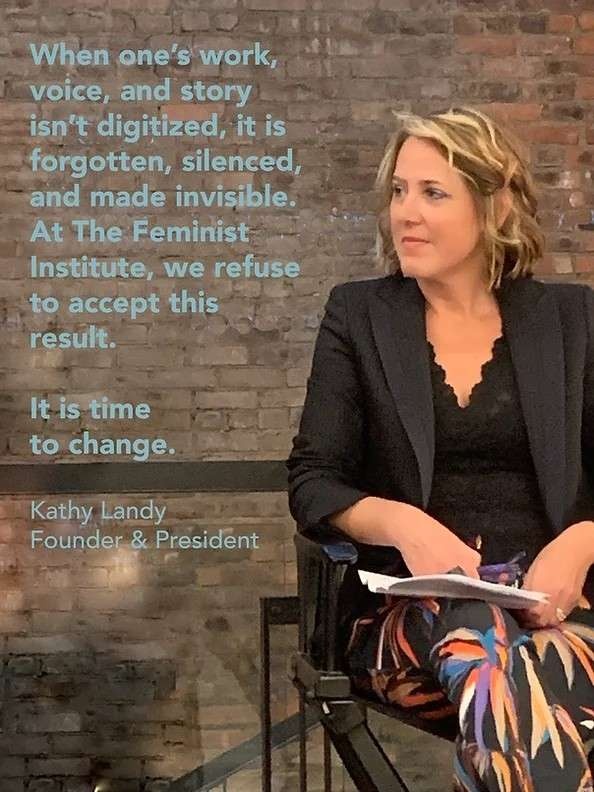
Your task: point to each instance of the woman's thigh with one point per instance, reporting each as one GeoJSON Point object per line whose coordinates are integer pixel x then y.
{"type": "Point", "coordinates": [417, 653]}
{"type": "Point", "coordinates": [566, 655]}
{"type": "Point", "coordinates": [387, 656]}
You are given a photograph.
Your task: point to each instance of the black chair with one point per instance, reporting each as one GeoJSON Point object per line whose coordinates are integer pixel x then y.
{"type": "Point", "coordinates": [322, 560]}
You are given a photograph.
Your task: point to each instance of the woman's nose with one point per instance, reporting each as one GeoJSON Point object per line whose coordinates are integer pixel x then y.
{"type": "Point", "coordinates": [406, 209]}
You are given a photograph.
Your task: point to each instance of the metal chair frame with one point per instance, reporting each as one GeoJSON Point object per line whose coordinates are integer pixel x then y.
{"type": "Point", "coordinates": [322, 559]}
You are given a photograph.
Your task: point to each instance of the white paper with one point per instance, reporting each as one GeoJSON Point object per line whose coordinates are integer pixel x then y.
{"type": "Point", "coordinates": [454, 586]}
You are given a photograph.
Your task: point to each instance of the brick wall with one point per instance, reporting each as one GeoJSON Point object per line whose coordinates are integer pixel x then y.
{"type": "Point", "coordinates": [133, 666]}
{"type": "Point", "coordinates": [232, 383]}
{"type": "Point", "coordinates": [137, 669]}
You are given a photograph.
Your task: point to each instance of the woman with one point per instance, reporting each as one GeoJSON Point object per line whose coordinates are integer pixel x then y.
{"type": "Point", "coordinates": [449, 422]}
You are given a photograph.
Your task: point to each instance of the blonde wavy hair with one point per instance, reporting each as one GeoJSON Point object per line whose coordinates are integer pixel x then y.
{"type": "Point", "coordinates": [489, 157]}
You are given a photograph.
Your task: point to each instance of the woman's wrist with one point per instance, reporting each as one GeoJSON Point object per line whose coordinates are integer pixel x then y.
{"type": "Point", "coordinates": [398, 521]}
{"type": "Point", "coordinates": [584, 537]}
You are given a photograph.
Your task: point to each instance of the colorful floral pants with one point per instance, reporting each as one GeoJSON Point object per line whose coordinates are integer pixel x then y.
{"type": "Point", "coordinates": [525, 699]}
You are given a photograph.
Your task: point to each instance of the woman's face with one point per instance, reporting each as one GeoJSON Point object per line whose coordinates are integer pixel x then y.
{"type": "Point", "coordinates": [442, 213]}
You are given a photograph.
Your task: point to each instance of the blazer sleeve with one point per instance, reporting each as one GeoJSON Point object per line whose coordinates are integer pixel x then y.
{"type": "Point", "coordinates": [325, 462]}
{"type": "Point", "coordinates": [588, 416]}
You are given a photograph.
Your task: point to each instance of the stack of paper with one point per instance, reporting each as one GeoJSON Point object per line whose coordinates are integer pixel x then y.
{"type": "Point", "coordinates": [451, 585]}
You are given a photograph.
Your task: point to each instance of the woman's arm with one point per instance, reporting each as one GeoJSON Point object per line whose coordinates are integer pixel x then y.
{"type": "Point", "coordinates": [427, 546]}
{"type": "Point", "coordinates": [325, 465]}
{"type": "Point", "coordinates": [325, 462]}
{"type": "Point", "coordinates": [377, 521]}
{"type": "Point", "coordinates": [583, 531]}
{"type": "Point", "coordinates": [561, 568]}
{"type": "Point", "coordinates": [582, 534]}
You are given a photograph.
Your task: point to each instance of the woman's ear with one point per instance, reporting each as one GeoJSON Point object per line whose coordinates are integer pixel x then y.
{"type": "Point", "coordinates": [503, 203]}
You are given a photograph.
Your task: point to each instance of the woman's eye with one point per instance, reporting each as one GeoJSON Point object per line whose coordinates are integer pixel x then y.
{"type": "Point", "coordinates": [430, 191]}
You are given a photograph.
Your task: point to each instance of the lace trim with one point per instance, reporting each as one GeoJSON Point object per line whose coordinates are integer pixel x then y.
{"type": "Point", "coordinates": [497, 343]}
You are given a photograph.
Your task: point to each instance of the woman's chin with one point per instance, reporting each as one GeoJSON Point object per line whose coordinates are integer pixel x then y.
{"type": "Point", "coordinates": [413, 269]}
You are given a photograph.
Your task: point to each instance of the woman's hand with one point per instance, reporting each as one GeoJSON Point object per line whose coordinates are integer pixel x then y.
{"type": "Point", "coordinates": [559, 570]}
{"type": "Point", "coordinates": [429, 548]}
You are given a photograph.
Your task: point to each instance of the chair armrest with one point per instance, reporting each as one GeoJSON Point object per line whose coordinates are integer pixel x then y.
{"type": "Point", "coordinates": [323, 556]}
{"type": "Point", "coordinates": [331, 542]}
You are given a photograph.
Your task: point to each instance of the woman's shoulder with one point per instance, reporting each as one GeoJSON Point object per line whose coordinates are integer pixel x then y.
{"type": "Point", "coordinates": [532, 289]}
{"type": "Point", "coordinates": [565, 289]}
{"type": "Point", "coordinates": [360, 291]}
{"type": "Point", "coordinates": [371, 284]}
{"type": "Point", "coordinates": [569, 302]}
{"type": "Point", "coordinates": [570, 297]}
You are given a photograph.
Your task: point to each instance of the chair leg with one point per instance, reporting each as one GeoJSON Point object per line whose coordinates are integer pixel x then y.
{"type": "Point", "coordinates": [265, 697]}
{"type": "Point", "coordinates": [327, 763]}
{"type": "Point", "coordinates": [302, 744]}
{"type": "Point", "coordinates": [362, 755]}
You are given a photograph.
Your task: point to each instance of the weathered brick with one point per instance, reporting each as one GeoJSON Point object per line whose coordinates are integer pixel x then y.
{"type": "Point", "coordinates": [23, 665]}
{"type": "Point", "coordinates": [226, 21]}
{"type": "Point", "coordinates": [272, 5]}
{"type": "Point", "coordinates": [220, 355]}
{"type": "Point", "coordinates": [226, 399]}
{"type": "Point", "coordinates": [250, 376]}
{"type": "Point", "coordinates": [43, 785]}
{"type": "Point", "coordinates": [12, 767]}
{"type": "Point", "coordinates": [63, 766]}
{"type": "Point", "coordinates": [153, 23]}
{"type": "Point", "coordinates": [242, 419]}
{"type": "Point", "coordinates": [487, 45]}
{"type": "Point", "coordinates": [41, 645]}
{"type": "Point", "coordinates": [151, 6]}
{"type": "Point", "coordinates": [196, 20]}
{"type": "Point", "coordinates": [561, 23]}
{"type": "Point", "coordinates": [47, 721]}
{"type": "Point", "coordinates": [584, 263]}
{"type": "Point", "coordinates": [584, 45]}
{"type": "Point", "coordinates": [586, 20]}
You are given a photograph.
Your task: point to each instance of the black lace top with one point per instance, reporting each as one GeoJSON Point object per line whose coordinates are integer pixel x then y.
{"type": "Point", "coordinates": [484, 482]}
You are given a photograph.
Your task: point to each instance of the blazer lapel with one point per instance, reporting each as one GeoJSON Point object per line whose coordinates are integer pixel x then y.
{"type": "Point", "coordinates": [532, 327]}
{"type": "Point", "coordinates": [398, 321]}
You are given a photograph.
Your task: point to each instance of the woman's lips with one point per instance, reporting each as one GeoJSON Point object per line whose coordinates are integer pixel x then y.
{"type": "Point", "coordinates": [413, 242]}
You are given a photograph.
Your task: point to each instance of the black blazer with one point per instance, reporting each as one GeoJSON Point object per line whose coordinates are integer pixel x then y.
{"type": "Point", "coordinates": [367, 426]}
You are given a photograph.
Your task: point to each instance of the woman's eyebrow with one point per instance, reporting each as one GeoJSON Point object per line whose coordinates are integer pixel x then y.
{"type": "Point", "coordinates": [421, 181]}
